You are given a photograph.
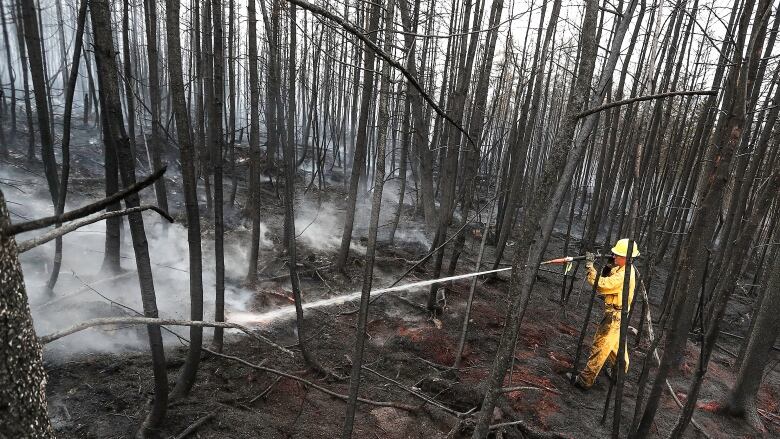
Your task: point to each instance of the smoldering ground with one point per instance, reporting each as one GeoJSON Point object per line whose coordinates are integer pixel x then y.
{"type": "Point", "coordinates": [85, 291]}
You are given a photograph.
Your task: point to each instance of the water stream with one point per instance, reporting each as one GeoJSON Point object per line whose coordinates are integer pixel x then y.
{"type": "Point", "coordinates": [287, 312]}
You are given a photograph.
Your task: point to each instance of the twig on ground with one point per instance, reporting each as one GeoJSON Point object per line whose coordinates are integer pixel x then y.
{"type": "Point", "coordinates": [398, 405]}
{"type": "Point", "coordinates": [195, 425]}
{"type": "Point", "coordinates": [323, 280]}
{"type": "Point", "coordinates": [417, 394]}
{"type": "Point", "coordinates": [266, 391]}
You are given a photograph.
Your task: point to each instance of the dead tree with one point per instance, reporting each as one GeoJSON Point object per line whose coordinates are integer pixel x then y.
{"type": "Point", "coordinates": [34, 44]}
{"type": "Point", "coordinates": [523, 137]}
{"type": "Point", "coordinates": [741, 400]}
{"type": "Point", "coordinates": [11, 73]}
{"type": "Point", "coordinates": [383, 120]}
{"type": "Point", "coordinates": [715, 177]}
{"type": "Point", "coordinates": [536, 226]}
{"type": "Point", "coordinates": [215, 123]}
{"type": "Point", "coordinates": [23, 379]}
{"type": "Point", "coordinates": [361, 140]}
{"type": "Point", "coordinates": [190, 183]}
{"type": "Point", "coordinates": [112, 110]}
{"type": "Point", "coordinates": [155, 95]}
{"type": "Point", "coordinates": [66, 127]}
{"type": "Point", "coordinates": [289, 210]}
{"type": "Point", "coordinates": [19, 24]}
{"type": "Point", "coordinates": [724, 287]}
{"type": "Point", "coordinates": [254, 141]}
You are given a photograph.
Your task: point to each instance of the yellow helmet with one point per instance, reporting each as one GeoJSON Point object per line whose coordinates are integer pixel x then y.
{"type": "Point", "coordinates": [621, 248]}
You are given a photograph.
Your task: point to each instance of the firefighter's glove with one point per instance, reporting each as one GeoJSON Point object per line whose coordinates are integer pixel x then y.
{"type": "Point", "coordinates": [589, 259]}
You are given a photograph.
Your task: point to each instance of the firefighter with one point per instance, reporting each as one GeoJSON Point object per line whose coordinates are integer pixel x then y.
{"type": "Point", "coordinates": [610, 287]}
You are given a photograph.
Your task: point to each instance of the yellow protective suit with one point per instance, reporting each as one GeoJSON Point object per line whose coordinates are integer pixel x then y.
{"type": "Point", "coordinates": [607, 338]}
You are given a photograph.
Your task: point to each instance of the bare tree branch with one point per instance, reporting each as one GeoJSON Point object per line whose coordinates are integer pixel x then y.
{"type": "Point", "coordinates": [159, 322]}
{"type": "Point", "coordinates": [81, 212]}
{"type": "Point", "coordinates": [398, 405]}
{"type": "Point", "coordinates": [56, 233]}
{"type": "Point", "coordinates": [349, 27]}
{"type": "Point", "coordinates": [644, 98]}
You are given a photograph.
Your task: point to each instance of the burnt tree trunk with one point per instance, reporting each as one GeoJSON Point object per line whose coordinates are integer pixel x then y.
{"type": "Point", "coordinates": [358, 164]}
{"type": "Point", "coordinates": [536, 226]}
{"type": "Point", "coordinates": [254, 141]}
{"type": "Point", "coordinates": [156, 144]}
{"type": "Point", "coordinates": [22, 377]}
{"type": "Point", "coordinates": [112, 110]}
{"type": "Point", "coordinates": [383, 121]}
{"type": "Point", "coordinates": [190, 183]}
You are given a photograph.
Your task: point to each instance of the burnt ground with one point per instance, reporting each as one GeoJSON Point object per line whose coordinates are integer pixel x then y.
{"type": "Point", "coordinates": [105, 395]}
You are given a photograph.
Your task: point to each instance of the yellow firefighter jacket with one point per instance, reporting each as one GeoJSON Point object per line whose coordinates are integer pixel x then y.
{"type": "Point", "coordinates": [611, 287]}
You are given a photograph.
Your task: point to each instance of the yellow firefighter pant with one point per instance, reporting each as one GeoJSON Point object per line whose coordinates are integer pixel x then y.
{"type": "Point", "coordinates": [605, 347]}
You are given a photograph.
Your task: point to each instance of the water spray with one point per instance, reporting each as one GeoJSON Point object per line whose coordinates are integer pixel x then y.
{"type": "Point", "coordinates": [289, 311]}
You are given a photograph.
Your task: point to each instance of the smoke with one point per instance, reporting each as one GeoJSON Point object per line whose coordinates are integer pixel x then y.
{"type": "Point", "coordinates": [84, 292]}
{"type": "Point", "coordinates": [320, 227]}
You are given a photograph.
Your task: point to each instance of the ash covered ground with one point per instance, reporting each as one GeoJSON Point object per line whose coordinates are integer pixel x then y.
{"type": "Point", "coordinates": [100, 381]}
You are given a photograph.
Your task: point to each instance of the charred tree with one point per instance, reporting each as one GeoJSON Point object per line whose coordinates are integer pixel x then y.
{"type": "Point", "coordinates": [190, 183]}
{"type": "Point", "coordinates": [383, 120]}
{"type": "Point", "coordinates": [22, 377]}
{"type": "Point", "coordinates": [358, 164]}
{"type": "Point", "coordinates": [112, 111]}
{"type": "Point", "coordinates": [155, 95]}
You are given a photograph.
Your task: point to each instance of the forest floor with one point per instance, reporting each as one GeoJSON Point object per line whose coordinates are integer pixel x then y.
{"type": "Point", "coordinates": [105, 394]}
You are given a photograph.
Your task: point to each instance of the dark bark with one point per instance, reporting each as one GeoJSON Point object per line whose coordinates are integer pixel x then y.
{"type": "Point", "coordinates": [155, 141]}
{"type": "Point", "coordinates": [34, 44]}
{"type": "Point", "coordinates": [361, 140]}
{"type": "Point", "coordinates": [723, 290]}
{"type": "Point", "coordinates": [383, 120]}
{"type": "Point", "coordinates": [112, 110]}
{"type": "Point", "coordinates": [476, 126]}
{"type": "Point", "coordinates": [11, 74]}
{"type": "Point", "coordinates": [128, 79]}
{"type": "Point", "coordinates": [17, 13]}
{"type": "Point", "coordinates": [289, 214]}
{"type": "Point", "coordinates": [66, 126]}
{"type": "Point", "coordinates": [216, 157]}
{"type": "Point", "coordinates": [522, 139]}
{"type": "Point", "coordinates": [190, 183]}
{"type": "Point", "coordinates": [741, 400]}
{"type": "Point", "coordinates": [254, 142]}
{"type": "Point", "coordinates": [22, 377]}
{"type": "Point", "coordinates": [716, 176]}
{"type": "Point", "coordinates": [536, 226]}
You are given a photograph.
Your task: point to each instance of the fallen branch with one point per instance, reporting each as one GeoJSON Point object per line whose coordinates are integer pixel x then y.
{"type": "Point", "coordinates": [195, 425]}
{"type": "Point", "coordinates": [527, 430]}
{"type": "Point", "coordinates": [56, 233]}
{"type": "Point", "coordinates": [266, 391]}
{"type": "Point", "coordinates": [522, 380]}
{"type": "Point", "coordinates": [418, 394]}
{"type": "Point", "coordinates": [771, 417]}
{"type": "Point", "coordinates": [644, 98]}
{"type": "Point", "coordinates": [81, 212]}
{"type": "Point", "coordinates": [398, 405]}
{"type": "Point", "coordinates": [159, 322]}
